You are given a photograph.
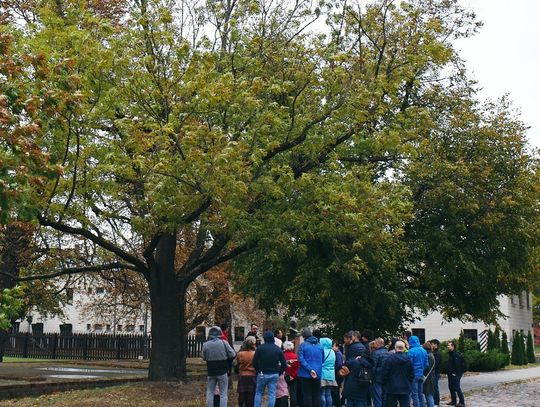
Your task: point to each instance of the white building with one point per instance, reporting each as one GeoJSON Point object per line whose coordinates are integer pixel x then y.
{"type": "Point", "coordinates": [517, 308]}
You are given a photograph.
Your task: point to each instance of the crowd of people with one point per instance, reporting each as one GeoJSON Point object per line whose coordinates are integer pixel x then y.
{"type": "Point", "coordinates": [362, 371]}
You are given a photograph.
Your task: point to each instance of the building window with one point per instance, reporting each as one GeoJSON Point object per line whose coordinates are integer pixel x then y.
{"type": "Point", "coordinates": [15, 328]}
{"type": "Point", "coordinates": [100, 290]}
{"type": "Point", "coordinates": [119, 328]}
{"type": "Point", "coordinates": [130, 328]}
{"type": "Point", "coordinates": [239, 333]}
{"type": "Point", "coordinates": [520, 298]}
{"type": "Point", "coordinates": [200, 332]}
{"type": "Point", "coordinates": [66, 329]}
{"type": "Point", "coordinates": [69, 295]}
{"type": "Point", "coordinates": [421, 333]}
{"type": "Point", "coordinates": [141, 328]}
{"type": "Point", "coordinates": [37, 329]}
{"type": "Point", "coordinates": [98, 327]}
{"type": "Point", "coordinates": [512, 301]}
{"type": "Point", "coordinates": [470, 334]}
{"type": "Point", "coordinates": [528, 294]}
{"type": "Point", "coordinates": [88, 327]}
{"type": "Point", "coordinates": [108, 327]}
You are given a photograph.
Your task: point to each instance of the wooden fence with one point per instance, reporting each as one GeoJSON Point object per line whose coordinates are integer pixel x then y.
{"type": "Point", "coordinates": [89, 346]}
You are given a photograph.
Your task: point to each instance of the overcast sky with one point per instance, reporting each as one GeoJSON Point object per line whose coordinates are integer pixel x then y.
{"type": "Point", "coordinates": [505, 56]}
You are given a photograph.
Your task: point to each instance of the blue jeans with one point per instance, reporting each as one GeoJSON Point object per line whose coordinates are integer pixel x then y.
{"type": "Point", "coordinates": [264, 380]}
{"type": "Point", "coordinates": [436, 395]}
{"type": "Point", "coordinates": [356, 403]}
{"type": "Point", "coordinates": [222, 382]}
{"type": "Point", "coordinates": [326, 396]}
{"type": "Point", "coordinates": [429, 400]}
{"type": "Point", "coordinates": [377, 394]}
{"type": "Point", "coordinates": [417, 393]}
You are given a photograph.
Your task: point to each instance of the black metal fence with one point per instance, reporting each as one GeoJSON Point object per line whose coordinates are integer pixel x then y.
{"type": "Point", "coordinates": [89, 346]}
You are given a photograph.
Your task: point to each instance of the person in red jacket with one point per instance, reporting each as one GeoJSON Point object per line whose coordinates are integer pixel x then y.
{"type": "Point", "coordinates": [291, 372]}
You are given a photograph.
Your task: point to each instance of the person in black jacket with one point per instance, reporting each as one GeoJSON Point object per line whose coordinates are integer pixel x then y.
{"type": "Point", "coordinates": [435, 344]}
{"type": "Point", "coordinates": [397, 376]}
{"type": "Point", "coordinates": [456, 368]}
{"type": "Point", "coordinates": [269, 363]}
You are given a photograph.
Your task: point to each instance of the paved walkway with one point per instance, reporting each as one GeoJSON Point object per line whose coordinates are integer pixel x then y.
{"type": "Point", "coordinates": [475, 381]}
{"type": "Point", "coordinates": [521, 394]}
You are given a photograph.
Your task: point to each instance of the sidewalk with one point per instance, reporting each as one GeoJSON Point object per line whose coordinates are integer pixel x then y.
{"type": "Point", "coordinates": [476, 381]}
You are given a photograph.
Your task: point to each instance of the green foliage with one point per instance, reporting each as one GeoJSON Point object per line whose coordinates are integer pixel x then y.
{"type": "Point", "coordinates": [518, 350]}
{"type": "Point", "coordinates": [504, 344]}
{"type": "Point", "coordinates": [497, 335]}
{"type": "Point", "coordinates": [461, 343]}
{"type": "Point", "coordinates": [530, 349]}
{"type": "Point", "coordinates": [485, 361]}
{"type": "Point", "coordinates": [11, 304]}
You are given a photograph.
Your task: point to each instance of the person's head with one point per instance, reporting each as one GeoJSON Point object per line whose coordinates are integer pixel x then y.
{"type": "Point", "coordinates": [317, 333]}
{"type": "Point", "coordinates": [371, 346]}
{"type": "Point", "coordinates": [288, 346]}
{"type": "Point", "coordinates": [367, 335]}
{"type": "Point", "coordinates": [249, 343]}
{"type": "Point", "coordinates": [378, 343]}
{"type": "Point", "coordinates": [427, 346]}
{"type": "Point", "coordinates": [224, 327]}
{"type": "Point", "coordinates": [254, 328]}
{"type": "Point", "coordinates": [306, 333]}
{"type": "Point", "coordinates": [399, 347]}
{"type": "Point", "coordinates": [356, 336]}
{"type": "Point", "coordinates": [348, 338]}
{"type": "Point", "coordinates": [278, 333]}
{"type": "Point", "coordinates": [393, 343]}
{"type": "Point", "coordinates": [336, 347]}
{"type": "Point", "coordinates": [435, 344]}
{"type": "Point", "coordinates": [215, 332]}
{"type": "Point", "coordinates": [451, 346]}
{"type": "Point", "coordinates": [407, 334]}
{"type": "Point", "coordinates": [269, 337]}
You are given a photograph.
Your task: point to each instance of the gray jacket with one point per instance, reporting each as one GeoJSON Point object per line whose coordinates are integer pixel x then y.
{"type": "Point", "coordinates": [218, 355]}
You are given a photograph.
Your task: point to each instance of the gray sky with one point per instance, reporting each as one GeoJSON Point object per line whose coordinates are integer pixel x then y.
{"type": "Point", "coordinates": [505, 56]}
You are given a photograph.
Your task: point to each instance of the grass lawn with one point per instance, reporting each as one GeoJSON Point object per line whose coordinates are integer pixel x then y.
{"type": "Point", "coordinates": [537, 349]}
{"type": "Point", "coordinates": [8, 359]}
{"type": "Point", "coordinates": [166, 394]}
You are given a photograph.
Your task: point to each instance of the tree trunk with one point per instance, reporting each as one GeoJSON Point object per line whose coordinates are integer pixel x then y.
{"type": "Point", "coordinates": [167, 298]}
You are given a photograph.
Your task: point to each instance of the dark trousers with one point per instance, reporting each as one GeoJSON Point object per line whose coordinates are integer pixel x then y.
{"type": "Point", "coordinates": [336, 396]}
{"type": "Point", "coordinates": [311, 392]}
{"type": "Point", "coordinates": [282, 402]}
{"type": "Point", "coordinates": [245, 399]}
{"type": "Point", "coordinates": [436, 394]}
{"type": "Point", "coordinates": [391, 400]}
{"type": "Point", "coordinates": [293, 392]}
{"type": "Point", "coordinates": [454, 385]}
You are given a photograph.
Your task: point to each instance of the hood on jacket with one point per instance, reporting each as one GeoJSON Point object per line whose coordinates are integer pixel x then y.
{"type": "Point", "coordinates": [326, 343]}
{"type": "Point", "coordinates": [215, 332]}
{"type": "Point", "coordinates": [268, 337]}
{"type": "Point", "coordinates": [414, 342]}
{"type": "Point", "coordinates": [402, 358]}
{"type": "Point", "coordinates": [313, 340]}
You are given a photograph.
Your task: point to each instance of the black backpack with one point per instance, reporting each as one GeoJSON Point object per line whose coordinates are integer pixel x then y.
{"type": "Point", "coordinates": [365, 376]}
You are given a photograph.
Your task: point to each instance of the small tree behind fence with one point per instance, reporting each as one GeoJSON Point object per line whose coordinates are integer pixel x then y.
{"type": "Point", "coordinates": [88, 346]}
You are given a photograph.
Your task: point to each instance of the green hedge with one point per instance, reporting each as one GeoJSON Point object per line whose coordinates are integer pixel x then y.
{"type": "Point", "coordinates": [476, 361]}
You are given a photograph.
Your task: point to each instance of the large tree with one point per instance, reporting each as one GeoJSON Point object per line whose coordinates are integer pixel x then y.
{"type": "Point", "coordinates": [270, 139]}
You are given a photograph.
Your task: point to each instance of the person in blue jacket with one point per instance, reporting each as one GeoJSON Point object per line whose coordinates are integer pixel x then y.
{"type": "Point", "coordinates": [378, 355]}
{"type": "Point", "coordinates": [328, 375]}
{"type": "Point", "coordinates": [356, 393]}
{"type": "Point", "coordinates": [310, 356]}
{"type": "Point", "coordinates": [419, 359]}
{"type": "Point", "coordinates": [397, 375]}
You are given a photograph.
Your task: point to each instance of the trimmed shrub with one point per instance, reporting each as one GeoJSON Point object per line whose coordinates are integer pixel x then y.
{"type": "Point", "coordinates": [485, 361]}
{"type": "Point", "coordinates": [518, 350]}
{"type": "Point", "coordinates": [497, 335]}
{"type": "Point", "coordinates": [530, 349]}
{"type": "Point", "coordinates": [504, 344]}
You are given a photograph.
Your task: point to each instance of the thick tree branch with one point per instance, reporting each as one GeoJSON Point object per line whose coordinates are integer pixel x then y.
{"type": "Point", "coordinates": [74, 270]}
{"type": "Point", "coordinates": [100, 241]}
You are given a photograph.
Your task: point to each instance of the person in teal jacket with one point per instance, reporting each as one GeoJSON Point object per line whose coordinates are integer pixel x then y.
{"type": "Point", "coordinates": [419, 359]}
{"type": "Point", "coordinates": [328, 375]}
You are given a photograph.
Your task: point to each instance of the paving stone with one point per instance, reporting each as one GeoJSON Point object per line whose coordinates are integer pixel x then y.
{"type": "Point", "coordinates": [521, 394]}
